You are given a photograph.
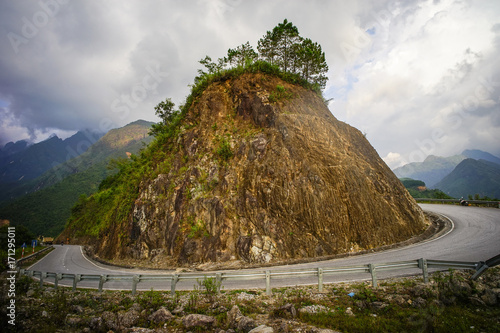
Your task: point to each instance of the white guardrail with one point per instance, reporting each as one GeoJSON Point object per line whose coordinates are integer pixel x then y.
{"type": "Point", "coordinates": [267, 275]}
{"type": "Point", "coordinates": [457, 201]}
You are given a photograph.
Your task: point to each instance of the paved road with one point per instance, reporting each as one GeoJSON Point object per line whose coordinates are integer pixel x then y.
{"type": "Point", "coordinates": [474, 237]}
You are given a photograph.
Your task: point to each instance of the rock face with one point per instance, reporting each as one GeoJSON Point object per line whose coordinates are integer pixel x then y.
{"type": "Point", "coordinates": [260, 171]}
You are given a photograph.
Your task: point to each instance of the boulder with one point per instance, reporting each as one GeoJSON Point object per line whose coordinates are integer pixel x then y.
{"type": "Point", "coordinates": [160, 316]}
{"type": "Point", "coordinates": [198, 320]}
{"type": "Point", "coordinates": [246, 324]}
{"type": "Point", "coordinates": [262, 329]}
{"type": "Point", "coordinates": [129, 318]}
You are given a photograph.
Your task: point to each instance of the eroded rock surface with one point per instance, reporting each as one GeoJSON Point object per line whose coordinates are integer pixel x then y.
{"type": "Point", "coordinates": [251, 180]}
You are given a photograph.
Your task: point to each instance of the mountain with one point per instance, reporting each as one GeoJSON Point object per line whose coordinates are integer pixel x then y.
{"type": "Point", "coordinates": [253, 168]}
{"type": "Point", "coordinates": [115, 144]}
{"type": "Point", "coordinates": [472, 177]}
{"type": "Point", "coordinates": [47, 206]}
{"type": "Point", "coordinates": [431, 170]}
{"type": "Point", "coordinates": [20, 167]}
{"type": "Point", "coordinates": [33, 161]}
{"type": "Point", "coordinates": [12, 148]}
{"type": "Point", "coordinates": [481, 155]}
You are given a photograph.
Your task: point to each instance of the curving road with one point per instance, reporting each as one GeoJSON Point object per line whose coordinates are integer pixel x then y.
{"type": "Point", "coordinates": [474, 237]}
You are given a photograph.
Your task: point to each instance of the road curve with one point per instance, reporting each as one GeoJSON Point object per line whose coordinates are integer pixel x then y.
{"type": "Point", "coordinates": [474, 237]}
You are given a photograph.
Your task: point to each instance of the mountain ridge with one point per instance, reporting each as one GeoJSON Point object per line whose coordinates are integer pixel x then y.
{"type": "Point", "coordinates": [49, 199]}
{"type": "Point", "coordinates": [25, 165]}
{"type": "Point", "coordinates": [472, 177]}
{"type": "Point", "coordinates": [434, 168]}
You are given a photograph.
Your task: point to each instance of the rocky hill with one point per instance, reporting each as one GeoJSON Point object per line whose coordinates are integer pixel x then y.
{"type": "Point", "coordinates": [258, 169]}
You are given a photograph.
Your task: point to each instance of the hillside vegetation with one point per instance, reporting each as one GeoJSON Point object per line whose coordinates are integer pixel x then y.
{"type": "Point", "coordinates": [418, 189]}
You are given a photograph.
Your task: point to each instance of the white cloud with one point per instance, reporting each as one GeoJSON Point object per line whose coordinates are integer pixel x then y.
{"type": "Point", "coordinates": [424, 65]}
{"type": "Point", "coordinates": [393, 160]}
{"type": "Point", "coordinates": [399, 71]}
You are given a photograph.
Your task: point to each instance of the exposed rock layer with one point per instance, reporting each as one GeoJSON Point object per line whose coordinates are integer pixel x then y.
{"type": "Point", "coordinates": [299, 183]}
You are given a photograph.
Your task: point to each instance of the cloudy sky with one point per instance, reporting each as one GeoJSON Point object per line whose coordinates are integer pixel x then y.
{"type": "Point", "coordinates": [418, 77]}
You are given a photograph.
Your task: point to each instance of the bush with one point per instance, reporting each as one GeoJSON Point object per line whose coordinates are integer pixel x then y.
{"type": "Point", "coordinates": [224, 149]}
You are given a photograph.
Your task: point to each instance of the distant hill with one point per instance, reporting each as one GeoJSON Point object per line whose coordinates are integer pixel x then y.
{"type": "Point", "coordinates": [481, 155]}
{"type": "Point", "coordinates": [115, 144]}
{"type": "Point", "coordinates": [20, 163]}
{"type": "Point", "coordinates": [472, 177]}
{"type": "Point", "coordinates": [33, 161]}
{"type": "Point", "coordinates": [418, 189]}
{"type": "Point", "coordinates": [47, 206]}
{"type": "Point", "coordinates": [431, 170]}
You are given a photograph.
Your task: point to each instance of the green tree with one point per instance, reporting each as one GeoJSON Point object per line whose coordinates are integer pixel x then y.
{"type": "Point", "coordinates": [279, 45]}
{"type": "Point", "coordinates": [312, 62]}
{"type": "Point", "coordinates": [284, 47]}
{"type": "Point", "coordinates": [267, 47]}
{"type": "Point", "coordinates": [242, 55]}
{"type": "Point", "coordinates": [212, 67]}
{"type": "Point", "coordinates": [165, 110]}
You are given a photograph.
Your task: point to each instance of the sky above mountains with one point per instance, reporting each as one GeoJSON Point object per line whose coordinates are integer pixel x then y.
{"type": "Point", "coordinates": [418, 77]}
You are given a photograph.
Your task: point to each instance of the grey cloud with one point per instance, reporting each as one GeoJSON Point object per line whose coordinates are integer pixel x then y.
{"type": "Point", "coordinates": [94, 63]}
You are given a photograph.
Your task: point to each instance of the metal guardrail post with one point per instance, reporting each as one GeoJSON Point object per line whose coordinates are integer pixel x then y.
{"type": "Point", "coordinates": [102, 279]}
{"type": "Point", "coordinates": [268, 283]}
{"type": "Point", "coordinates": [481, 268]}
{"type": "Point", "coordinates": [371, 267]}
{"type": "Point", "coordinates": [484, 265]}
{"type": "Point", "coordinates": [56, 280]}
{"type": "Point", "coordinates": [43, 275]}
{"type": "Point", "coordinates": [320, 279]}
{"type": "Point", "coordinates": [76, 278]}
{"type": "Point", "coordinates": [135, 280]}
{"type": "Point", "coordinates": [422, 263]}
{"type": "Point", "coordinates": [173, 282]}
{"type": "Point", "coordinates": [218, 281]}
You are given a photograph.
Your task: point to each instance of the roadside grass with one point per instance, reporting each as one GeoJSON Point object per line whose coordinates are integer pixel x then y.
{"type": "Point", "coordinates": [27, 251]}
{"type": "Point", "coordinates": [30, 261]}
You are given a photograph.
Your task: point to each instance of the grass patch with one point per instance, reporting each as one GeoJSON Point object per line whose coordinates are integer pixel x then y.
{"type": "Point", "coordinates": [280, 94]}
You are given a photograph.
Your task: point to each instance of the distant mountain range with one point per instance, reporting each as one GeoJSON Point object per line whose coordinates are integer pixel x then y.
{"type": "Point", "coordinates": [472, 177]}
{"type": "Point", "coordinates": [21, 162]}
{"type": "Point", "coordinates": [44, 203]}
{"type": "Point", "coordinates": [470, 173]}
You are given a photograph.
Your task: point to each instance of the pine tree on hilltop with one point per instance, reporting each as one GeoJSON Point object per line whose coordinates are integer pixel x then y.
{"type": "Point", "coordinates": [284, 47]}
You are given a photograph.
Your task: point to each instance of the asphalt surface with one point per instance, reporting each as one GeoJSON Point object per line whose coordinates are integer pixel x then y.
{"type": "Point", "coordinates": [475, 236]}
